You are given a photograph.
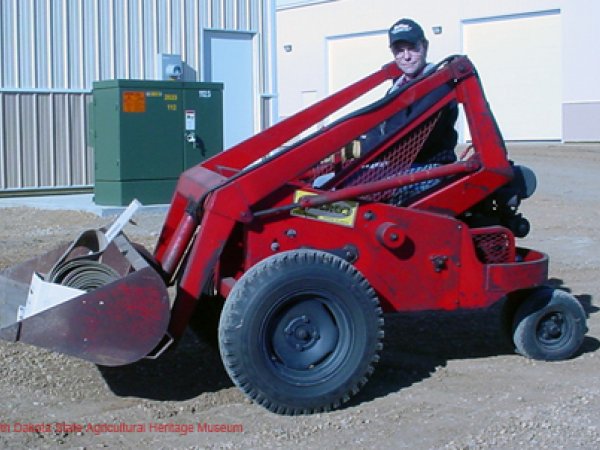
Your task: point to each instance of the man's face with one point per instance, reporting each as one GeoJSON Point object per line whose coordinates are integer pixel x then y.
{"type": "Point", "coordinates": [410, 58]}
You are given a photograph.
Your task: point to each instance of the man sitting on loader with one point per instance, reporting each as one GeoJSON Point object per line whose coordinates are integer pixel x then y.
{"type": "Point", "coordinates": [409, 46]}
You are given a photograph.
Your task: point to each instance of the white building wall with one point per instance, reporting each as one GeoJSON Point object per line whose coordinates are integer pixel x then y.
{"type": "Point", "coordinates": [581, 63]}
{"type": "Point", "coordinates": [308, 29]}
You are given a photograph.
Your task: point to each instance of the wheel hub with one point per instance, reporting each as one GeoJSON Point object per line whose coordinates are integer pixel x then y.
{"type": "Point", "coordinates": [551, 328]}
{"type": "Point", "coordinates": [305, 335]}
{"type": "Point", "coordinates": [301, 334]}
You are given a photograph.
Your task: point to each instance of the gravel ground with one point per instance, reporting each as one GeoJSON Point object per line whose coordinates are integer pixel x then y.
{"type": "Point", "coordinates": [445, 381]}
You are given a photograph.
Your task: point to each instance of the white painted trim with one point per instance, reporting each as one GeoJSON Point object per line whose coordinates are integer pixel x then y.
{"type": "Point", "coordinates": [583, 102]}
{"type": "Point", "coordinates": [301, 3]}
{"type": "Point", "coordinates": [526, 15]}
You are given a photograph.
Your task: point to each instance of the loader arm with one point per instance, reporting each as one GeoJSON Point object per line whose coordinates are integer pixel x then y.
{"type": "Point", "coordinates": [254, 184]}
{"type": "Point", "coordinates": [248, 151]}
{"type": "Point", "coordinates": [232, 187]}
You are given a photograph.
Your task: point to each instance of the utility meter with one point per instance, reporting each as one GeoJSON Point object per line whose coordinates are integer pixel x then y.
{"type": "Point", "coordinates": [169, 67]}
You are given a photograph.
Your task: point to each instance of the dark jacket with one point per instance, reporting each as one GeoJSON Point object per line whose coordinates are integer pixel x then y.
{"type": "Point", "coordinates": [440, 144]}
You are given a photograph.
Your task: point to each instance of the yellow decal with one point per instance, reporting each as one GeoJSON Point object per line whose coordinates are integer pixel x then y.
{"type": "Point", "coordinates": [171, 97]}
{"type": "Point", "coordinates": [342, 212]}
{"type": "Point", "coordinates": [172, 106]}
{"type": "Point", "coordinates": [153, 94]}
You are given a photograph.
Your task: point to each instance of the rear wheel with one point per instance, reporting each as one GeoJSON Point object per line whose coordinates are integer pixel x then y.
{"type": "Point", "coordinates": [549, 325]}
{"type": "Point", "coordinates": [300, 332]}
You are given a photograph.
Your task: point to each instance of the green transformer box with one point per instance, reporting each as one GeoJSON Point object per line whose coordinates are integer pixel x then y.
{"type": "Point", "coordinates": [145, 133]}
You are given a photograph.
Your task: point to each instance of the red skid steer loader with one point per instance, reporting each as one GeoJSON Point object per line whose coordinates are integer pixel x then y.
{"type": "Point", "coordinates": [309, 246]}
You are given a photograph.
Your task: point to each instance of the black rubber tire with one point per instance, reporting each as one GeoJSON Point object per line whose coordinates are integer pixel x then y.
{"type": "Point", "coordinates": [300, 332]}
{"type": "Point", "coordinates": [549, 325]}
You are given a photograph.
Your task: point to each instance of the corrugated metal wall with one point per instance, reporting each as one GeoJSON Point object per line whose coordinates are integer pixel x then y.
{"type": "Point", "coordinates": [53, 50]}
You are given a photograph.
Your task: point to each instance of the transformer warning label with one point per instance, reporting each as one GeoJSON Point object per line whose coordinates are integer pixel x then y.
{"type": "Point", "coordinates": [339, 213]}
{"type": "Point", "coordinates": [134, 102]}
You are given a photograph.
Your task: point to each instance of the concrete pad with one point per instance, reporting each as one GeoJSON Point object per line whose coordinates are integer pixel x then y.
{"type": "Point", "coordinates": [74, 202]}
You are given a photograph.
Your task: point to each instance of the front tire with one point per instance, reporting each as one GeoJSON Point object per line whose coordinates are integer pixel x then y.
{"type": "Point", "coordinates": [300, 332]}
{"type": "Point", "coordinates": [549, 325]}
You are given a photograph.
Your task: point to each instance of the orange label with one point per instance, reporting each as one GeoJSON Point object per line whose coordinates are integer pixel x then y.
{"type": "Point", "coordinates": [134, 102]}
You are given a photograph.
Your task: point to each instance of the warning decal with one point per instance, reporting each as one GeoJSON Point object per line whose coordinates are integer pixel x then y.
{"type": "Point", "coordinates": [134, 102]}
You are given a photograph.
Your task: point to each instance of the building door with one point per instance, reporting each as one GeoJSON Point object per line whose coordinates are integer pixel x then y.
{"type": "Point", "coordinates": [229, 58]}
{"type": "Point", "coordinates": [519, 61]}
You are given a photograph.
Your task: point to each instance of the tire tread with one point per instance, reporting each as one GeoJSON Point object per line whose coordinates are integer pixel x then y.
{"type": "Point", "coordinates": [233, 312]}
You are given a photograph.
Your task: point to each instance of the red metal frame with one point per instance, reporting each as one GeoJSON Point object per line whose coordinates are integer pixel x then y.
{"type": "Point", "coordinates": [226, 216]}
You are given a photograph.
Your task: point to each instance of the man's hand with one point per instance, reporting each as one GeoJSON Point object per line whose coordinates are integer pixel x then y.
{"type": "Point", "coordinates": [351, 150]}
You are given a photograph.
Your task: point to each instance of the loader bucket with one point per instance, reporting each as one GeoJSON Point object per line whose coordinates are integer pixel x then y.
{"type": "Point", "coordinates": [95, 299]}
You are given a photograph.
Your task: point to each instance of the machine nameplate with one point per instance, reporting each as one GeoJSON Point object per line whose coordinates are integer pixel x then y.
{"type": "Point", "coordinates": [339, 213]}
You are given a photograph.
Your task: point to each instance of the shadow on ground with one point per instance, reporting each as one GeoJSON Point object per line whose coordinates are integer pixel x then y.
{"type": "Point", "coordinates": [584, 299]}
{"type": "Point", "coordinates": [415, 346]}
{"type": "Point", "coordinates": [192, 368]}
{"type": "Point", "coordinates": [418, 344]}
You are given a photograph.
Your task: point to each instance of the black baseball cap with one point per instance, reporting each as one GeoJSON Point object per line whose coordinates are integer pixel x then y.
{"type": "Point", "coordinates": [406, 30]}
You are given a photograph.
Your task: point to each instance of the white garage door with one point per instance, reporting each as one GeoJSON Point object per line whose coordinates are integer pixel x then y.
{"type": "Point", "coordinates": [350, 58]}
{"type": "Point", "coordinates": [519, 62]}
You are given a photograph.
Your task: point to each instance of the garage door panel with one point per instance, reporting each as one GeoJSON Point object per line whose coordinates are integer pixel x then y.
{"type": "Point", "coordinates": [519, 62]}
{"type": "Point", "coordinates": [352, 57]}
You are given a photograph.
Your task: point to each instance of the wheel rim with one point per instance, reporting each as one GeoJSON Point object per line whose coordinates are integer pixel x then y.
{"type": "Point", "coordinates": [305, 338]}
{"type": "Point", "coordinates": [553, 330]}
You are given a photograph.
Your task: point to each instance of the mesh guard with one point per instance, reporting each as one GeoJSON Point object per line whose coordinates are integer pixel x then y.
{"type": "Point", "coordinates": [395, 159]}
{"type": "Point", "coordinates": [494, 245]}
